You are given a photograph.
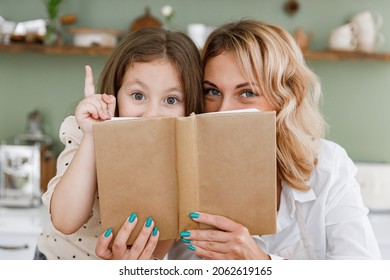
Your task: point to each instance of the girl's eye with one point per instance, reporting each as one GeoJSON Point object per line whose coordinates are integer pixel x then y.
{"type": "Point", "coordinates": [171, 100]}
{"type": "Point", "coordinates": [212, 91]}
{"type": "Point", "coordinates": [248, 94]}
{"type": "Point", "coordinates": [138, 96]}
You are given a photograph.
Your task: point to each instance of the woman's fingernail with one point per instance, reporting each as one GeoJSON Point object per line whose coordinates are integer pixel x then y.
{"type": "Point", "coordinates": [194, 215]}
{"type": "Point", "coordinates": [187, 241]}
{"type": "Point", "coordinates": [184, 234]}
{"type": "Point", "coordinates": [192, 248]}
{"type": "Point", "coordinates": [148, 222]}
{"type": "Point", "coordinates": [108, 232]}
{"type": "Point", "coordinates": [155, 231]}
{"type": "Point", "coordinates": [132, 217]}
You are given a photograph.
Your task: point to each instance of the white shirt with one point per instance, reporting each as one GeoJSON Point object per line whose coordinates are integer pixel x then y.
{"type": "Point", "coordinates": [327, 222]}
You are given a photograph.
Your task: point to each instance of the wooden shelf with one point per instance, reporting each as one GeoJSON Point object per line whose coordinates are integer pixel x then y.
{"type": "Point", "coordinates": [58, 50]}
{"type": "Point", "coordinates": [340, 55]}
{"type": "Point", "coordinates": [101, 51]}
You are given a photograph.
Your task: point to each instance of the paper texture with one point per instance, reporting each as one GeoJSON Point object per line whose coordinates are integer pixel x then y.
{"type": "Point", "coordinates": [167, 167]}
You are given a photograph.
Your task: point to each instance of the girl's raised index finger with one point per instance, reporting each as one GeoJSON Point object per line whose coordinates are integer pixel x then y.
{"type": "Point", "coordinates": [89, 87]}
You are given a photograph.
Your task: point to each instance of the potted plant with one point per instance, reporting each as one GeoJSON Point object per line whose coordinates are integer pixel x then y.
{"type": "Point", "coordinates": [53, 29]}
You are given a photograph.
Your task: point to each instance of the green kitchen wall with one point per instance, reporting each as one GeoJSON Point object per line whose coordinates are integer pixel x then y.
{"type": "Point", "coordinates": [356, 93]}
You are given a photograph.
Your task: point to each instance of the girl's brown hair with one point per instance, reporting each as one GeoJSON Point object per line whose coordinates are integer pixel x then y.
{"type": "Point", "coordinates": [146, 45]}
{"type": "Point", "coordinates": [269, 57]}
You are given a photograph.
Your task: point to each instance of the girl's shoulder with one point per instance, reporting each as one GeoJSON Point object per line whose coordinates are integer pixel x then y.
{"type": "Point", "coordinates": [70, 130]}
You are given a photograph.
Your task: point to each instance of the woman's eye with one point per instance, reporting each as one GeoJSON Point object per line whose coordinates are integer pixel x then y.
{"type": "Point", "coordinates": [138, 96]}
{"type": "Point", "coordinates": [171, 100]}
{"type": "Point", "coordinates": [248, 94]}
{"type": "Point", "coordinates": [212, 91]}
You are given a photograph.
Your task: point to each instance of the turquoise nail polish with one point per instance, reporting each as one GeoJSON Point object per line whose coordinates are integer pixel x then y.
{"type": "Point", "coordinates": [192, 248]}
{"type": "Point", "coordinates": [108, 232]}
{"type": "Point", "coordinates": [132, 217]}
{"type": "Point", "coordinates": [194, 215]}
{"type": "Point", "coordinates": [184, 234]}
{"type": "Point", "coordinates": [187, 241]}
{"type": "Point", "coordinates": [155, 231]}
{"type": "Point", "coordinates": [148, 222]}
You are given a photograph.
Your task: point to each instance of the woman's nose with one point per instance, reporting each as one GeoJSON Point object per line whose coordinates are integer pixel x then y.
{"type": "Point", "coordinates": [228, 104]}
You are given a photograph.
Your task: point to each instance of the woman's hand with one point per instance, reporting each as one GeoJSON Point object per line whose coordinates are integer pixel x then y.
{"type": "Point", "coordinates": [230, 241]}
{"type": "Point", "coordinates": [142, 248]}
{"type": "Point", "coordinates": [94, 107]}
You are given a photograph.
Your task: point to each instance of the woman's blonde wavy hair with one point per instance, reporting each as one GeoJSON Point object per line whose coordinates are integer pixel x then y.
{"type": "Point", "coordinates": [270, 58]}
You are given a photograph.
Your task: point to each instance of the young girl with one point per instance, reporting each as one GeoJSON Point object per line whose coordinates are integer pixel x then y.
{"type": "Point", "coordinates": [152, 72]}
{"type": "Point", "coordinates": [321, 215]}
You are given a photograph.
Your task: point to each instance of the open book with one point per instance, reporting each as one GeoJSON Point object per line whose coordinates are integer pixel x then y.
{"type": "Point", "coordinates": [167, 167]}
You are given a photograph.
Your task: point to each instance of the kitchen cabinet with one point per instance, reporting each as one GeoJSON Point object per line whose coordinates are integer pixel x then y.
{"type": "Point", "coordinates": [19, 231]}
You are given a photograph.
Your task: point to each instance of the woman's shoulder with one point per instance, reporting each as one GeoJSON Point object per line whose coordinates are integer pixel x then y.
{"type": "Point", "coordinates": [332, 155]}
{"type": "Point", "coordinates": [334, 165]}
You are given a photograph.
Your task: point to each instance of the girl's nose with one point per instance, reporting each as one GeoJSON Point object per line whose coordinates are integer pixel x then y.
{"type": "Point", "coordinates": [152, 110]}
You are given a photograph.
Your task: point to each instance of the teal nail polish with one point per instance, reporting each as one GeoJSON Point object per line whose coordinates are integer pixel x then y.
{"type": "Point", "coordinates": [132, 217]}
{"type": "Point", "coordinates": [155, 231]}
{"type": "Point", "coordinates": [184, 234]}
{"type": "Point", "coordinates": [108, 232]}
{"type": "Point", "coordinates": [192, 248]}
{"type": "Point", "coordinates": [148, 222]}
{"type": "Point", "coordinates": [187, 241]}
{"type": "Point", "coordinates": [194, 215]}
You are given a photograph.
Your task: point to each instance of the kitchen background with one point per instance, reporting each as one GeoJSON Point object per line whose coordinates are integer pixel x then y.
{"type": "Point", "coordinates": [356, 92]}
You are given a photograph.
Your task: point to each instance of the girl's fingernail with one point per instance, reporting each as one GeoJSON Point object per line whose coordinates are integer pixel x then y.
{"type": "Point", "coordinates": [108, 232]}
{"type": "Point", "coordinates": [187, 241]}
{"type": "Point", "coordinates": [192, 248]}
{"type": "Point", "coordinates": [184, 234]}
{"type": "Point", "coordinates": [155, 231]}
{"type": "Point", "coordinates": [148, 222]}
{"type": "Point", "coordinates": [132, 217]}
{"type": "Point", "coordinates": [194, 215]}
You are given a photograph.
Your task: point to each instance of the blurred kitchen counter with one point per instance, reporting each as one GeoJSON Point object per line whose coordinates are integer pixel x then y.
{"type": "Point", "coordinates": [380, 222]}
{"type": "Point", "coordinates": [21, 227]}
{"type": "Point", "coordinates": [19, 231]}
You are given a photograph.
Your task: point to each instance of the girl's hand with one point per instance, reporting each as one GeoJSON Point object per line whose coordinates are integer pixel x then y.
{"type": "Point", "coordinates": [230, 241]}
{"type": "Point", "coordinates": [142, 248]}
{"type": "Point", "coordinates": [94, 107]}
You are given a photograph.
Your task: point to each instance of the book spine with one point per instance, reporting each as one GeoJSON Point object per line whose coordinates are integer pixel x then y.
{"type": "Point", "coordinates": [187, 170]}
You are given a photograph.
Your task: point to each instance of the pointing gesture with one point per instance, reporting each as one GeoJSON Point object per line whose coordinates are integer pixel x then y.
{"type": "Point", "coordinates": [94, 107]}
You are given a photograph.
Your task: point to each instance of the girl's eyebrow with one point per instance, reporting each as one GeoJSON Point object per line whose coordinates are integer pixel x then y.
{"type": "Point", "coordinates": [145, 86]}
{"type": "Point", "coordinates": [237, 86]}
{"type": "Point", "coordinates": [137, 82]}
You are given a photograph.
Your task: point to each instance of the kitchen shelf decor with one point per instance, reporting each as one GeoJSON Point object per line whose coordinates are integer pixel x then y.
{"type": "Point", "coordinates": [57, 50]}
{"type": "Point", "coordinates": [105, 51]}
{"type": "Point", "coordinates": [346, 55]}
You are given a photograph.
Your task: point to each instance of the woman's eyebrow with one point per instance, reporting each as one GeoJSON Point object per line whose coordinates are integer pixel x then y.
{"type": "Point", "coordinates": [210, 84]}
{"type": "Point", "coordinates": [237, 86]}
{"type": "Point", "coordinates": [246, 84]}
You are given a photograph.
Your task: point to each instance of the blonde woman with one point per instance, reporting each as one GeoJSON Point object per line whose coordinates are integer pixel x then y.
{"type": "Point", "coordinates": [251, 64]}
